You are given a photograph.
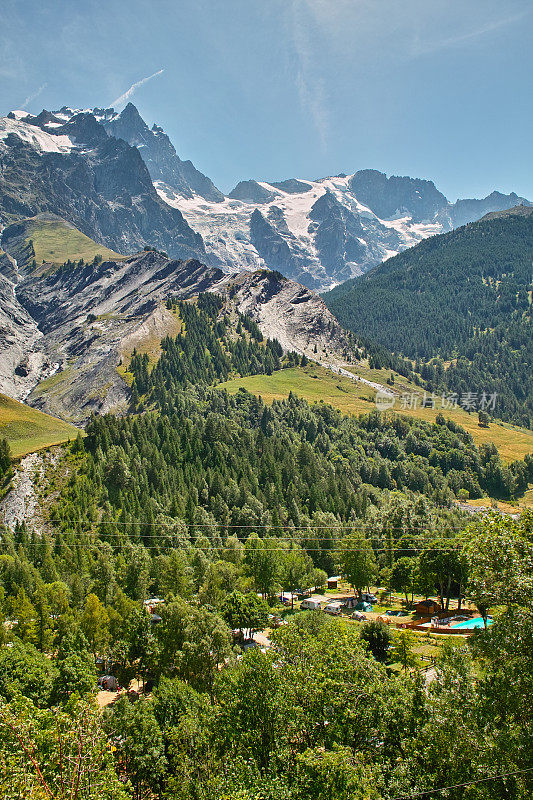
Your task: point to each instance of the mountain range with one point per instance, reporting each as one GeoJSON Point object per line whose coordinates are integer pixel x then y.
{"type": "Point", "coordinates": [123, 184]}
{"type": "Point", "coordinates": [103, 223]}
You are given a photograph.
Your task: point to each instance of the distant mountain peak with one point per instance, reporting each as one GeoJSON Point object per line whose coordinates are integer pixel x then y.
{"type": "Point", "coordinates": [130, 110]}
{"type": "Point", "coordinates": [159, 155]}
{"type": "Point", "coordinates": [519, 210]}
{"type": "Point", "coordinates": [84, 128]}
{"type": "Point", "coordinates": [388, 196]}
{"type": "Point", "coordinates": [251, 191]}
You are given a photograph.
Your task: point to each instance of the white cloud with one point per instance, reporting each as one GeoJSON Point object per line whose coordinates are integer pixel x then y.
{"type": "Point", "coordinates": [33, 96]}
{"type": "Point", "coordinates": [311, 89]}
{"type": "Point", "coordinates": [133, 88]}
{"type": "Point", "coordinates": [423, 47]}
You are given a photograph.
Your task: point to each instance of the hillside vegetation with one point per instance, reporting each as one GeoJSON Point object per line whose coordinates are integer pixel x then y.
{"type": "Point", "coordinates": [462, 297]}
{"type": "Point", "coordinates": [318, 385]}
{"type": "Point", "coordinates": [27, 429]}
{"type": "Point", "coordinates": [53, 241]}
{"type": "Point", "coordinates": [214, 503]}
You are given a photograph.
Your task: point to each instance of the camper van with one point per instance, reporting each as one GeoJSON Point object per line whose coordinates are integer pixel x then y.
{"type": "Point", "coordinates": [310, 604]}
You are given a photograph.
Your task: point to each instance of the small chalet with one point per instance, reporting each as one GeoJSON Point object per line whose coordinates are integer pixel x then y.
{"type": "Point", "coordinates": [427, 607]}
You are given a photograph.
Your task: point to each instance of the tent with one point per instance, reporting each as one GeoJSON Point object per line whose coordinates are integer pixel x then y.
{"type": "Point", "coordinates": [350, 602]}
{"type": "Point", "coordinates": [108, 683]}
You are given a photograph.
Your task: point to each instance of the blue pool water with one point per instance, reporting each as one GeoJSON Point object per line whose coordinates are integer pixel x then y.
{"type": "Point", "coordinates": [477, 622]}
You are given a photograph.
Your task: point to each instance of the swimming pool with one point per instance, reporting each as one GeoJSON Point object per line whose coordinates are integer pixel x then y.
{"type": "Point", "coordinates": [477, 622]}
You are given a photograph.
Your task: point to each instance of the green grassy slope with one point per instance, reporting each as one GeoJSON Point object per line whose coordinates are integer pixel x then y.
{"type": "Point", "coordinates": [316, 384]}
{"type": "Point", "coordinates": [55, 241]}
{"type": "Point", "coordinates": [27, 429]}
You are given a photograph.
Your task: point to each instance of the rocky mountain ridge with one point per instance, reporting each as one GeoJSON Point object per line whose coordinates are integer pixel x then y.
{"type": "Point", "coordinates": [323, 232]}
{"type": "Point", "coordinates": [98, 183]}
{"type": "Point", "coordinates": [64, 330]}
{"type": "Point", "coordinates": [159, 155]}
{"type": "Point", "coordinates": [123, 183]}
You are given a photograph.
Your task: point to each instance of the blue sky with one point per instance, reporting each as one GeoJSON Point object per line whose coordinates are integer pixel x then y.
{"type": "Point", "coordinates": [272, 89]}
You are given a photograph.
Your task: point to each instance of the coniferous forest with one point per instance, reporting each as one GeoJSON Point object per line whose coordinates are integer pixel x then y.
{"type": "Point", "coordinates": [214, 505]}
{"type": "Point", "coordinates": [459, 306]}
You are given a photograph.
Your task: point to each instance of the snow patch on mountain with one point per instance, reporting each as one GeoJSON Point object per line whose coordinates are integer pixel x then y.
{"type": "Point", "coordinates": [36, 137]}
{"type": "Point", "coordinates": [226, 230]}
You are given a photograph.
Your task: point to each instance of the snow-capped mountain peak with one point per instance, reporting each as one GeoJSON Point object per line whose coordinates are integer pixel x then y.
{"type": "Point", "coordinates": [319, 232]}
{"type": "Point", "coordinates": [41, 140]}
{"type": "Point", "coordinates": [315, 231]}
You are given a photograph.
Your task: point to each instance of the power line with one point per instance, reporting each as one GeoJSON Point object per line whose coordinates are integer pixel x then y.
{"type": "Point", "coordinates": [299, 537]}
{"type": "Point", "coordinates": [421, 537]}
{"type": "Point", "coordinates": [273, 527]}
{"type": "Point", "coordinates": [267, 549]}
{"type": "Point", "coordinates": [462, 785]}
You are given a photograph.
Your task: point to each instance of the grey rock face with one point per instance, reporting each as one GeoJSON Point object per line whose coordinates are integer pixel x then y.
{"type": "Point", "coordinates": [278, 248]}
{"type": "Point", "coordinates": [83, 128]}
{"type": "Point", "coordinates": [465, 211]}
{"type": "Point", "coordinates": [74, 321]}
{"type": "Point", "coordinates": [423, 201]}
{"type": "Point", "coordinates": [292, 186]}
{"type": "Point", "coordinates": [338, 234]}
{"type": "Point", "coordinates": [160, 156]}
{"type": "Point", "coordinates": [251, 192]}
{"type": "Point", "coordinates": [103, 187]}
{"type": "Point", "coordinates": [387, 196]}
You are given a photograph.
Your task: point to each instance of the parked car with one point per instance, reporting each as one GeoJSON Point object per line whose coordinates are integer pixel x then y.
{"type": "Point", "coordinates": [301, 594]}
{"type": "Point", "coordinates": [333, 608]}
{"type": "Point", "coordinates": [310, 604]}
{"type": "Point", "coordinates": [368, 597]}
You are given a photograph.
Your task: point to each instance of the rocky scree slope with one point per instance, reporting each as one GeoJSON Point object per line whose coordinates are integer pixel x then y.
{"type": "Point", "coordinates": [71, 325]}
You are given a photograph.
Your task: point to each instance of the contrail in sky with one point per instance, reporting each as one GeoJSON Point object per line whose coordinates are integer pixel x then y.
{"type": "Point", "coordinates": [33, 96]}
{"type": "Point", "coordinates": [133, 88]}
